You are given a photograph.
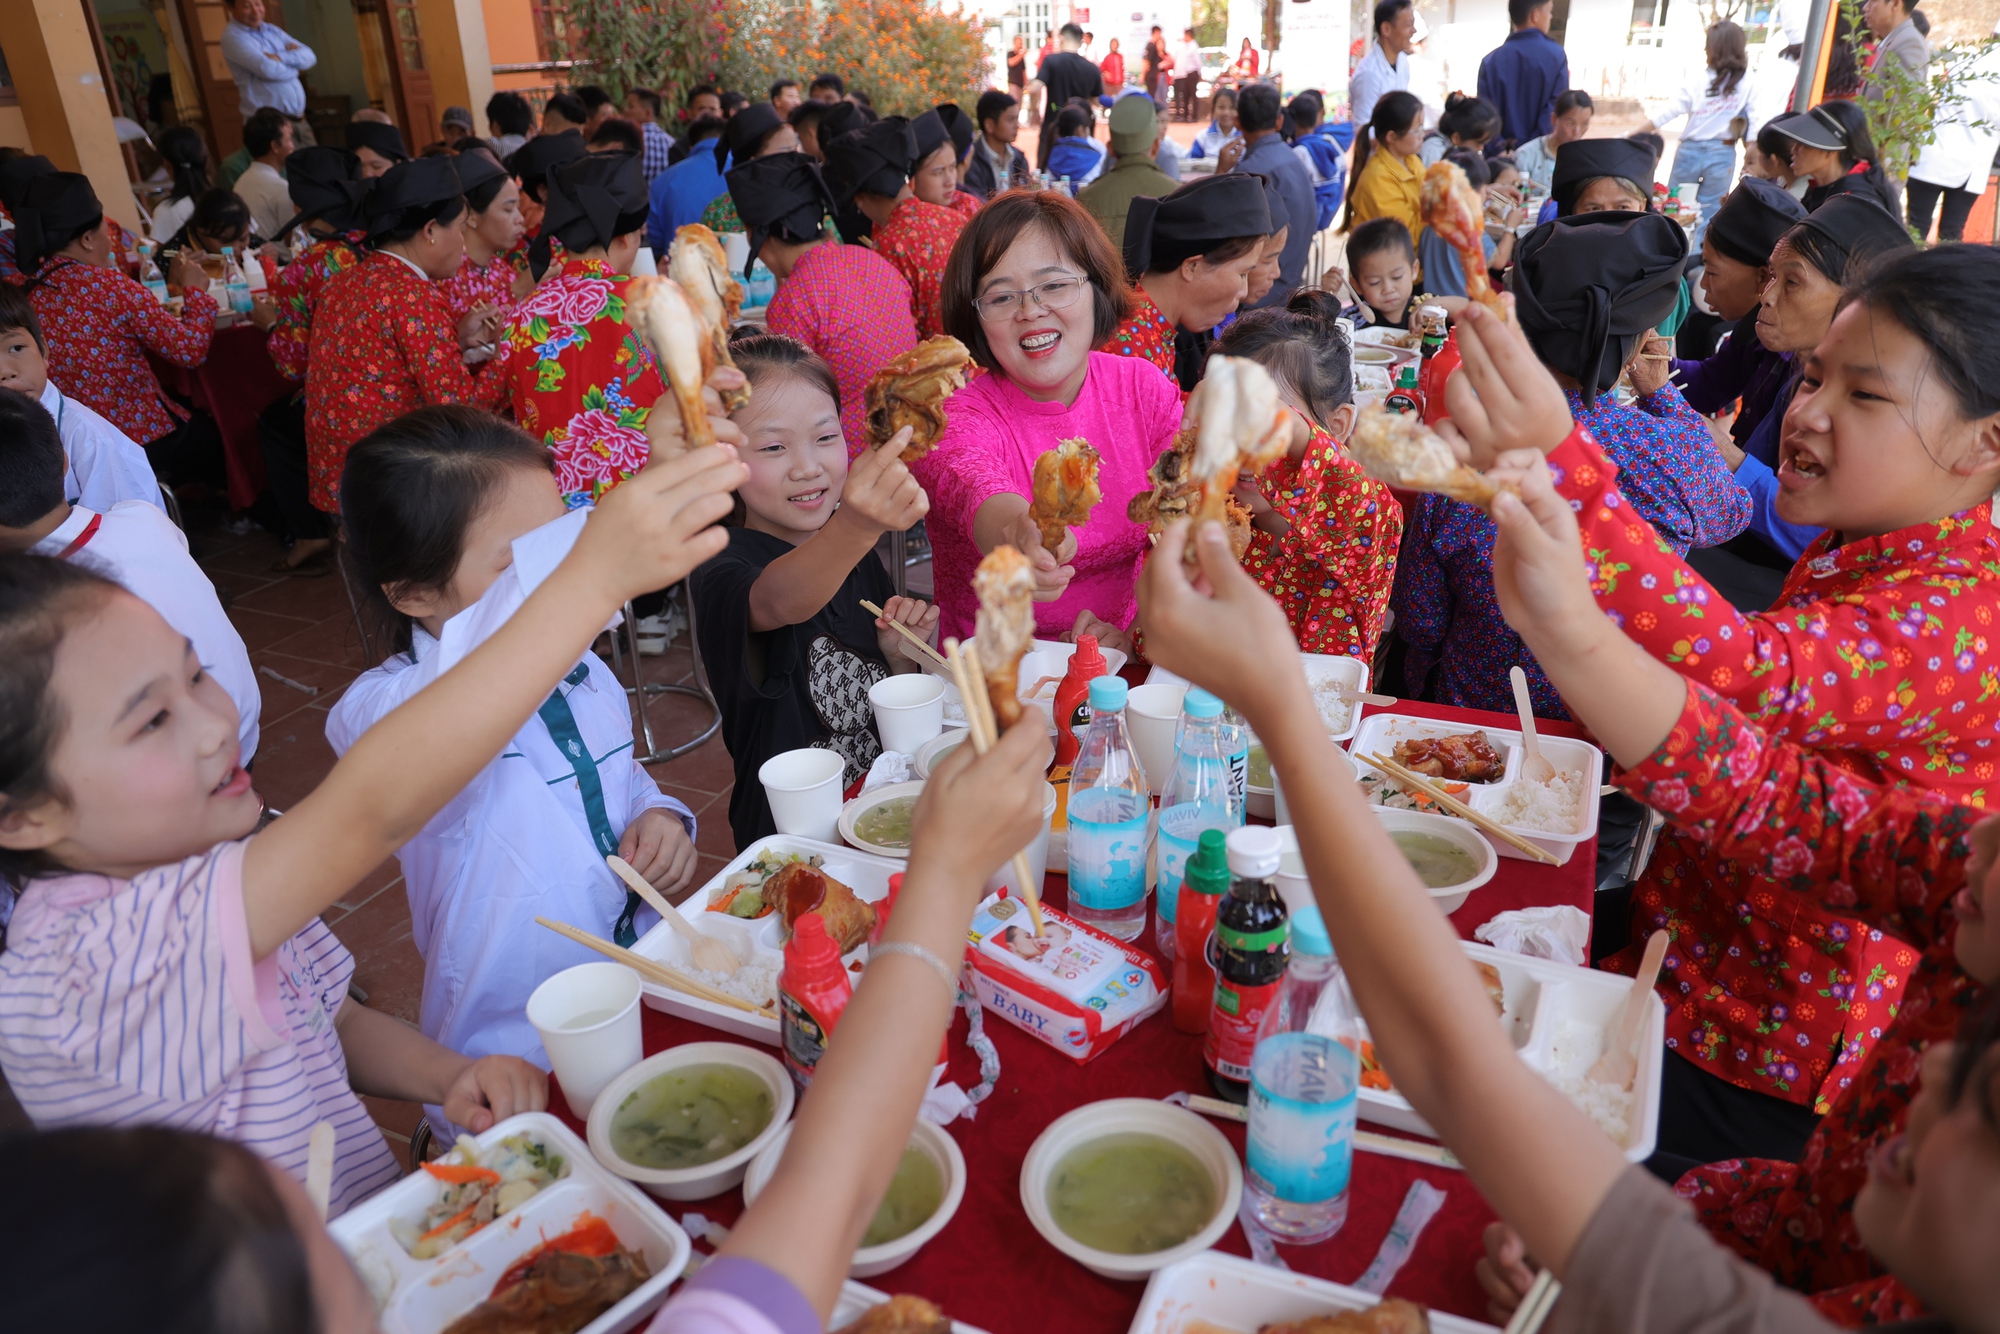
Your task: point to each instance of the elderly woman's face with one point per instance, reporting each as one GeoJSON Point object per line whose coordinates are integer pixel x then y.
{"type": "Point", "coordinates": [1608, 194]}
{"type": "Point", "coordinates": [1042, 343]}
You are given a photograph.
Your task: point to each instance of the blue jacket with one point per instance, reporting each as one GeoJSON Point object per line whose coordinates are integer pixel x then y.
{"type": "Point", "coordinates": [1076, 157]}
{"type": "Point", "coordinates": [1523, 76]}
{"type": "Point", "coordinates": [1325, 144]}
{"type": "Point", "coordinates": [1273, 157]}
{"type": "Point", "coordinates": [681, 193]}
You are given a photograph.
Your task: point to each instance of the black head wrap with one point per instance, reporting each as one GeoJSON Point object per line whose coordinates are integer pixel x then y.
{"type": "Point", "coordinates": [17, 173]}
{"type": "Point", "coordinates": [418, 184]}
{"type": "Point", "coordinates": [1201, 214]}
{"type": "Point", "coordinates": [530, 162]}
{"type": "Point", "coordinates": [325, 183]}
{"type": "Point", "coordinates": [877, 159]}
{"type": "Point", "coordinates": [1858, 225]}
{"type": "Point", "coordinates": [745, 130]}
{"type": "Point", "coordinates": [929, 133]}
{"type": "Point", "coordinates": [781, 195]}
{"type": "Point", "coordinates": [475, 169]}
{"type": "Point", "coordinates": [842, 117]}
{"type": "Point", "coordinates": [1753, 219]}
{"type": "Point", "coordinates": [1581, 161]}
{"type": "Point", "coordinates": [384, 139]}
{"type": "Point", "coordinates": [591, 201]}
{"type": "Point", "coordinates": [1586, 288]}
{"type": "Point", "coordinates": [54, 208]}
{"type": "Point", "coordinates": [956, 124]}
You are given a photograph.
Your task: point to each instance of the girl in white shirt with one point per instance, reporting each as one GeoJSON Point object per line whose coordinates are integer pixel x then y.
{"type": "Point", "coordinates": [450, 516]}
{"type": "Point", "coordinates": [1706, 157]}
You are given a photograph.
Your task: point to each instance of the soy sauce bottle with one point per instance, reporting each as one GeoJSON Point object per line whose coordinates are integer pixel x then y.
{"type": "Point", "coordinates": [1249, 951]}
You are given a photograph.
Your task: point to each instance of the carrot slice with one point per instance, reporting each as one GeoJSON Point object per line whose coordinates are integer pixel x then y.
{"type": "Point", "coordinates": [451, 1222]}
{"type": "Point", "coordinates": [459, 1174]}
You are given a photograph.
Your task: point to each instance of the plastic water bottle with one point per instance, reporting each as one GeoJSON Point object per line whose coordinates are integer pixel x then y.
{"type": "Point", "coordinates": [1108, 804]}
{"type": "Point", "coordinates": [234, 283]}
{"type": "Point", "coordinates": [149, 273]}
{"type": "Point", "coordinates": [1302, 1094]}
{"type": "Point", "coordinates": [1236, 745]}
{"type": "Point", "coordinates": [1198, 796]}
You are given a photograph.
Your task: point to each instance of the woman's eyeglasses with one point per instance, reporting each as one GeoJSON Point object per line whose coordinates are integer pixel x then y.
{"type": "Point", "coordinates": [1056, 294]}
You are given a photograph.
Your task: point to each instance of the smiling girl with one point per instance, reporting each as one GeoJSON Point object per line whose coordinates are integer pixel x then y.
{"type": "Point", "coordinates": [1878, 657]}
{"type": "Point", "coordinates": [790, 654]}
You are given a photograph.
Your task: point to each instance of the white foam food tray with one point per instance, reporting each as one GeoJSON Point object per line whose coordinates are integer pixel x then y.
{"type": "Point", "coordinates": [1380, 733]}
{"type": "Point", "coordinates": [1557, 1017]}
{"type": "Point", "coordinates": [424, 1296]}
{"type": "Point", "coordinates": [1213, 1293]}
{"type": "Point", "coordinates": [1319, 668]}
{"type": "Point", "coordinates": [754, 940]}
{"type": "Point", "coordinates": [858, 1297]}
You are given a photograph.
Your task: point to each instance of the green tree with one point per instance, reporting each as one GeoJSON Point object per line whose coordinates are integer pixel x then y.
{"type": "Point", "coordinates": [1904, 105]}
{"type": "Point", "coordinates": [669, 45]}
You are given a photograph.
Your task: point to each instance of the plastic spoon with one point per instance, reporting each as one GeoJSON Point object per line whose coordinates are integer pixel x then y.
{"type": "Point", "coordinates": [319, 1166]}
{"type": "Point", "coordinates": [709, 954]}
{"type": "Point", "coordinates": [1535, 766]}
{"type": "Point", "coordinates": [1620, 1063]}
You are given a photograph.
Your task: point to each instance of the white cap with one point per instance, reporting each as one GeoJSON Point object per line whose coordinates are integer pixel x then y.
{"type": "Point", "coordinates": [1253, 852]}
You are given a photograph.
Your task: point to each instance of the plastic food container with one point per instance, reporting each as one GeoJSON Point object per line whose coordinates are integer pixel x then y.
{"type": "Point", "coordinates": [755, 940]}
{"type": "Point", "coordinates": [869, 1261]}
{"type": "Point", "coordinates": [1220, 1293]}
{"type": "Point", "coordinates": [1485, 861]}
{"type": "Point", "coordinates": [1556, 1017]}
{"type": "Point", "coordinates": [856, 1298]}
{"type": "Point", "coordinates": [1320, 669]}
{"type": "Point", "coordinates": [709, 1179]}
{"type": "Point", "coordinates": [424, 1296]}
{"type": "Point", "coordinates": [1579, 759]}
{"type": "Point", "coordinates": [1047, 658]}
{"type": "Point", "coordinates": [1128, 1115]}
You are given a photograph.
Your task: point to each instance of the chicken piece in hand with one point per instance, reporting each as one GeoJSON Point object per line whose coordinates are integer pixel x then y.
{"type": "Point", "coordinates": [1066, 491]}
{"type": "Point", "coordinates": [696, 262]}
{"type": "Point", "coordinates": [1004, 627]}
{"type": "Point", "coordinates": [1397, 448]}
{"type": "Point", "coordinates": [1453, 209]}
{"type": "Point", "coordinates": [661, 312]}
{"type": "Point", "coordinates": [910, 391]}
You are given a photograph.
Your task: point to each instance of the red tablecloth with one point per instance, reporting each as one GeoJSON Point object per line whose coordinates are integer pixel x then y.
{"type": "Point", "coordinates": [234, 385]}
{"type": "Point", "coordinates": [991, 1268]}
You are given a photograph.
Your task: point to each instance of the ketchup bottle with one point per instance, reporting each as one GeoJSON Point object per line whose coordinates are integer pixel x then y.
{"type": "Point", "coordinates": [1072, 706]}
{"type": "Point", "coordinates": [813, 989]}
{"type": "Point", "coordinates": [1204, 880]}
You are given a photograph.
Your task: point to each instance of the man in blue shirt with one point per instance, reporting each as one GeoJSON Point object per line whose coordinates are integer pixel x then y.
{"type": "Point", "coordinates": [1267, 154]}
{"type": "Point", "coordinates": [266, 63]}
{"type": "Point", "coordinates": [680, 193]}
{"type": "Point", "coordinates": [1525, 74]}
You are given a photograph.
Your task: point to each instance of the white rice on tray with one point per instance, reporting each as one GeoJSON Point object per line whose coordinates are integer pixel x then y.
{"type": "Point", "coordinates": [1555, 807]}
{"type": "Point", "coordinates": [756, 983]}
{"type": "Point", "coordinates": [1335, 710]}
{"type": "Point", "coordinates": [1576, 1046]}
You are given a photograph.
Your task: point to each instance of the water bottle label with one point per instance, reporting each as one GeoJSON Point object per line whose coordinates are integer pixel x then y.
{"type": "Point", "coordinates": [1239, 779]}
{"type": "Point", "coordinates": [1180, 833]}
{"type": "Point", "coordinates": [1107, 863]}
{"type": "Point", "coordinates": [1302, 1152]}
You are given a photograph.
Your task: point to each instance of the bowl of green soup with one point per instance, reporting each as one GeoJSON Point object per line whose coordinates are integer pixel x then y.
{"type": "Point", "coordinates": [685, 1123]}
{"type": "Point", "coordinates": [1129, 1185]}
{"type": "Point", "coordinates": [1448, 854]}
{"type": "Point", "coordinates": [925, 1192]}
{"type": "Point", "coordinates": [879, 821]}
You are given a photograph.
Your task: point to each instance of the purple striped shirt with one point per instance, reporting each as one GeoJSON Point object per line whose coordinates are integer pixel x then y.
{"type": "Point", "coordinates": [137, 1001]}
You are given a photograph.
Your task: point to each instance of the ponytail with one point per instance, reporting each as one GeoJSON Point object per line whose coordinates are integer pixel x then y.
{"type": "Point", "coordinates": [1394, 114]}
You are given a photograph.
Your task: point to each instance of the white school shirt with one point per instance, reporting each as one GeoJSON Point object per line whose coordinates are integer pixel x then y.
{"type": "Point", "coordinates": [136, 544]}
{"type": "Point", "coordinates": [105, 466]}
{"type": "Point", "coordinates": [1708, 114]}
{"type": "Point", "coordinates": [136, 1002]}
{"type": "Point", "coordinates": [517, 842]}
{"type": "Point", "coordinates": [1962, 156]}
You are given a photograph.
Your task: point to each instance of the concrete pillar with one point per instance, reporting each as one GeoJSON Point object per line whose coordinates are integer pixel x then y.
{"type": "Point", "coordinates": [455, 47]}
{"type": "Point", "coordinates": [63, 102]}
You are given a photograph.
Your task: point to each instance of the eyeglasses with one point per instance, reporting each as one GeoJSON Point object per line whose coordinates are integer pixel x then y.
{"type": "Point", "coordinates": [1056, 294]}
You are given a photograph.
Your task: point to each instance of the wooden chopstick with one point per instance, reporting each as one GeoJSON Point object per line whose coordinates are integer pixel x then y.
{"type": "Point", "coordinates": [1535, 1307]}
{"type": "Point", "coordinates": [979, 721]}
{"type": "Point", "coordinates": [907, 633]}
{"type": "Point", "coordinates": [1411, 779]}
{"type": "Point", "coordinates": [652, 969]}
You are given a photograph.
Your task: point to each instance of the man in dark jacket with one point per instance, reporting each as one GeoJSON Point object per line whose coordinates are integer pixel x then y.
{"type": "Point", "coordinates": [994, 163]}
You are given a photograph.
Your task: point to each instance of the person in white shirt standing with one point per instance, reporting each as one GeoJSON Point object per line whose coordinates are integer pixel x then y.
{"type": "Point", "coordinates": [104, 466]}
{"type": "Point", "coordinates": [268, 138]}
{"type": "Point", "coordinates": [1716, 114]}
{"type": "Point", "coordinates": [132, 542]}
{"type": "Point", "coordinates": [1956, 163]}
{"type": "Point", "coordinates": [266, 61]}
{"type": "Point", "coordinates": [1187, 75]}
{"type": "Point", "coordinates": [1385, 69]}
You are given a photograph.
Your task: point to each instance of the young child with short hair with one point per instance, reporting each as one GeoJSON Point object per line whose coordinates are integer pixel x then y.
{"type": "Point", "coordinates": [1382, 270]}
{"type": "Point", "coordinates": [104, 465]}
{"type": "Point", "coordinates": [165, 963]}
{"type": "Point", "coordinates": [448, 514]}
{"type": "Point", "coordinates": [790, 653]}
{"type": "Point", "coordinates": [132, 542]}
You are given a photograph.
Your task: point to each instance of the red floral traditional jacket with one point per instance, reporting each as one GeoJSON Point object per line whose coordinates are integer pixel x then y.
{"type": "Point", "coordinates": [1880, 656]}
{"type": "Point", "coordinates": [1146, 333]}
{"type": "Point", "coordinates": [917, 239]}
{"type": "Point", "coordinates": [297, 294]}
{"type": "Point", "coordinates": [99, 324]}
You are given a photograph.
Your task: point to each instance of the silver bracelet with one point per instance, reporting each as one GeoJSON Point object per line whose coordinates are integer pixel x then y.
{"type": "Point", "coordinates": [916, 951]}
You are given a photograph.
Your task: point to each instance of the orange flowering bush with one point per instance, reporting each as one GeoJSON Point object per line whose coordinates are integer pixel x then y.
{"type": "Point", "coordinates": [907, 55]}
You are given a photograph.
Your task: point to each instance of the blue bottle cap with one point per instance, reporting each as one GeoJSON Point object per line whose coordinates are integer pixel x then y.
{"type": "Point", "coordinates": [1200, 704]}
{"type": "Point", "coordinates": [1309, 932]}
{"type": "Point", "coordinates": [1107, 693]}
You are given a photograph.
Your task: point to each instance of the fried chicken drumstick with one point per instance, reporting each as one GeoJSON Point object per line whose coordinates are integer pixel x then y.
{"type": "Point", "coordinates": [911, 390]}
{"type": "Point", "coordinates": [681, 342]}
{"type": "Point", "coordinates": [1004, 627]}
{"type": "Point", "coordinates": [1397, 448]}
{"type": "Point", "coordinates": [1234, 424]}
{"type": "Point", "coordinates": [1452, 209]}
{"type": "Point", "coordinates": [1066, 490]}
{"type": "Point", "coordinates": [696, 262]}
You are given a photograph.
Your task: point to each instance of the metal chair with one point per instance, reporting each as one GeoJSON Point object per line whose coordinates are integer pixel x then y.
{"type": "Point", "coordinates": [171, 503]}
{"type": "Point", "coordinates": [641, 690]}
{"type": "Point", "coordinates": [902, 561]}
{"type": "Point", "coordinates": [353, 601]}
{"type": "Point", "coordinates": [420, 1143]}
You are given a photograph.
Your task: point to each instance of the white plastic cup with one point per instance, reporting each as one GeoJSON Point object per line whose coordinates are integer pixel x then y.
{"type": "Point", "coordinates": [1291, 881]}
{"type": "Point", "coordinates": [1037, 852]}
{"type": "Point", "coordinates": [1152, 717]}
{"type": "Point", "coordinates": [588, 1018]}
{"type": "Point", "coordinates": [803, 787]}
{"type": "Point", "coordinates": [909, 710]}
{"type": "Point", "coordinates": [735, 250]}
{"type": "Point", "coordinates": [1689, 196]}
